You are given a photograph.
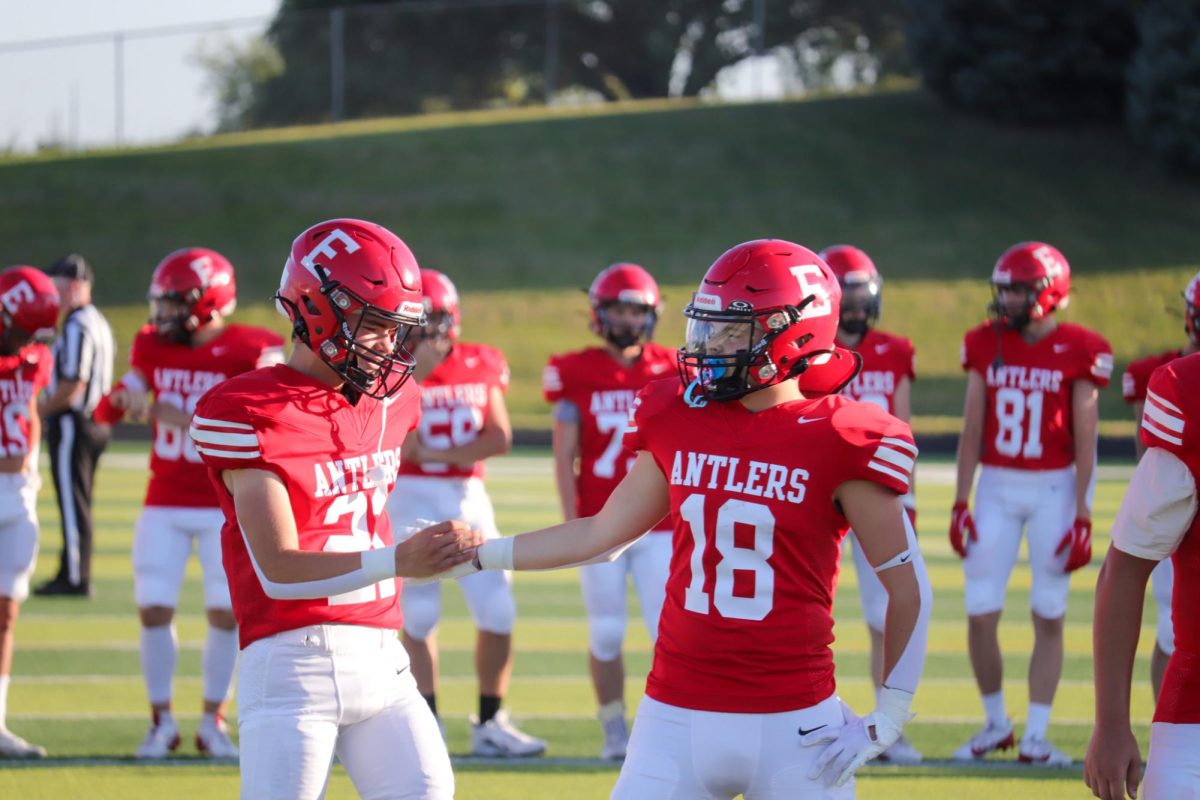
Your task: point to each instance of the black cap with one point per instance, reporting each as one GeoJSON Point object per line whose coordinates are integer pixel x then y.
{"type": "Point", "coordinates": [72, 266]}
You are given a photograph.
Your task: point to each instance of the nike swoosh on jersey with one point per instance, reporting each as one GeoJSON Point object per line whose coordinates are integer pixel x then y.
{"type": "Point", "coordinates": [1061, 348]}
{"type": "Point", "coordinates": [881, 348]}
{"type": "Point", "coordinates": [806, 420]}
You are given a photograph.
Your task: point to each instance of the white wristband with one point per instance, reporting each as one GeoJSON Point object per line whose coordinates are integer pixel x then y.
{"type": "Point", "coordinates": [496, 554]}
{"type": "Point", "coordinates": [379, 564]}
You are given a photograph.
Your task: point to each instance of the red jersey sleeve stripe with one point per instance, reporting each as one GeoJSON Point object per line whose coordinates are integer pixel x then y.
{"type": "Point", "coordinates": [1149, 427]}
{"type": "Point", "coordinates": [1167, 405]}
{"type": "Point", "coordinates": [900, 443]}
{"type": "Point", "coordinates": [894, 457]}
{"type": "Point", "coordinates": [887, 470]}
{"type": "Point", "coordinates": [221, 438]}
{"type": "Point", "coordinates": [204, 422]}
{"type": "Point", "coordinates": [1163, 418]}
{"type": "Point", "coordinates": [222, 453]}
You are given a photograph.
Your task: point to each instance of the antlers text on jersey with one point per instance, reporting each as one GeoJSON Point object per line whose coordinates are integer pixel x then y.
{"type": "Point", "coordinates": [454, 394]}
{"type": "Point", "coordinates": [1030, 379]}
{"type": "Point", "coordinates": [872, 383]}
{"type": "Point", "coordinates": [753, 478]}
{"type": "Point", "coordinates": [357, 473]}
{"type": "Point", "coordinates": [185, 381]}
{"type": "Point", "coordinates": [612, 401]}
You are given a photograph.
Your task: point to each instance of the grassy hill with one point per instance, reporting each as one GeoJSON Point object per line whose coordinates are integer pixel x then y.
{"type": "Point", "coordinates": [522, 208]}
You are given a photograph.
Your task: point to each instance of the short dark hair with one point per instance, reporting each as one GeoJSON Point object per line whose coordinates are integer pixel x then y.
{"type": "Point", "coordinates": [73, 266]}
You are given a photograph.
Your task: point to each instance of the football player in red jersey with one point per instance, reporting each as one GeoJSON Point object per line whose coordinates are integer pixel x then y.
{"type": "Point", "coordinates": [762, 467]}
{"type": "Point", "coordinates": [1133, 387]}
{"type": "Point", "coordinates": [885, 379]}
{"type": "Point", "coordinates": [302, 456]}
{"type": "Point", "coordinates": [1030, 419]}
{"type": "Point", "coordinates": [185, 349]}
{"type": "Point", "coordinates": [464, 420]}
{"type": "Point", "coordinates": [1157, 520]}
{"type": "Point", "coordinates": [592, 391]}
{"type": "Point", "coordinates": [28, 315]}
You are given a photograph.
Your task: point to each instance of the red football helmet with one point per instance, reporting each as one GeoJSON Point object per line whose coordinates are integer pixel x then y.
{"type": "Point", "coordinates": [1191, 316]}
{"type": "Point", "coordinates": [766, 311]}
{"type": "Point", "coordinates": [28, 308]}
{"type": "Point", "coordinates": [189, 288]}
{"type": "Point", "coordinates": [861, 283]}
{"type": "Point", "coordinates": [345, 280]}
{"type": "Point", "coordinates": [443, 317]}
{"type": "Point", "coordinates": [629, 284]}
{"type": "Point", "coordinates": [1042, 271]}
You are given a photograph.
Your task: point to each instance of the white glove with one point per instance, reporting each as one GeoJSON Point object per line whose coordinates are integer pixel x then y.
{"type": "Point", "coordinates": [853, 745]}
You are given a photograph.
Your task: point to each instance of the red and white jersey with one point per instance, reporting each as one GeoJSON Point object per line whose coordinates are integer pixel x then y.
{"type": "Point", "coordinates": [179, 375]}
{"type": "Point", "coordinates": [22, 377]}
{"type": "Point", "coordinates": [1137, 375]}
{"type": "Point", "coordinates": [455, 399]}
{"type": "Point", "coordinates": [338, 461]}
{"type": "Point", "coordinates": [1028, 418]}
{"type": "Point", "coordinates": [1171, 421]}
{"type": "Point", "coordinates": [887, 360]}
{"type": "Point", "coordinates": [748, 618]}
{"type": "Point", "coordinates": [603, 389]}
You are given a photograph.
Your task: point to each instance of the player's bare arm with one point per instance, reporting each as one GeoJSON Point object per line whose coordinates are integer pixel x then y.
{"type": "Point", "coordinates": [639, 501]}
{"type": "Point", "coordinates": [1138, 409]}
{"type": "Point", "coordinates": [970, 445]}
{"type": "Point", "coordinates": [877, 517]}
{"type": "Point", "coordinates": [971, 440]}
{"type": "Point", "coordinates": [1085, 416]}
{"type": "Point", "coordinates": [494, 438]}
{"type": "Point", "coordinates": [265, 517]}
{"type": "Point", "coordinates": [1113, 765]}
{"type": "Point", "coordinates": [565, 442]}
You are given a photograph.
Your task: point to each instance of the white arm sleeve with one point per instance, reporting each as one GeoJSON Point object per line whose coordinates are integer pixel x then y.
{"type": "Point", "coordinates": [377, 565]}
{"type": "Point", "coordinates": [907, 673]}
{"type": "Point", "coordinates": [498, 554]}
{"type": "Point", "coordinates": [1158, 508]}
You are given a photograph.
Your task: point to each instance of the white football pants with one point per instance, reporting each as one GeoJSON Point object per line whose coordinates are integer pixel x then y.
{"type": "Point", "coordinates": [648, 562]}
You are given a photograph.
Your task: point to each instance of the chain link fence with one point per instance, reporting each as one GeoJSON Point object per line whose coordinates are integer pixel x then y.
{"type": "Point", "coordinates": [420, 56]}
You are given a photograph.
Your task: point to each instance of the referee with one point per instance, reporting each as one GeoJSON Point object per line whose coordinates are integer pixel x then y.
{"type": "Point", "coordinates": [83, 362]}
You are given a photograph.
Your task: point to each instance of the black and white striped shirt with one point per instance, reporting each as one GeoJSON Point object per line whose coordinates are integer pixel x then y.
{"type": "Point", "coordinates": [84, 352]}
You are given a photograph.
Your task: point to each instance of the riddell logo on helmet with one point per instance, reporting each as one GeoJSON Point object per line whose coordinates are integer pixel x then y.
{"type": "Point", "coordinates": [708, 302]}
{"type": "Point", "coordinates": [411, 309]}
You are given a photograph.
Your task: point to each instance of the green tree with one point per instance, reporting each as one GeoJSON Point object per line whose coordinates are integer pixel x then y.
{"type": "Point", "coordinates": [1164, 81]}
{"type": "Point", "coordinates": [1025, 60]}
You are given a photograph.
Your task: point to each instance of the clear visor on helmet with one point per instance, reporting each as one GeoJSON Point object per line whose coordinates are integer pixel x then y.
{"type": "Point", "coordinates": [718, 337]}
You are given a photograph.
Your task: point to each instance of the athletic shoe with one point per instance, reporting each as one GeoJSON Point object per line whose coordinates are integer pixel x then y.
{"type": "Point", "coordinates": [616, 738]}
{"type": "Point", "coordinates": [499, 738]}
{"type": "Point", "coordinates": [212, 739]}
{"type": "Point", "coordinates": [989, 739]}
{"type": "Point", "coordinates": [1041, 753]}
{"type": "Point", "coordinates": [13, 746]}
{"type": "Point", "coordinates": [901, 752]}
{"type": "Point", "coordinates": [162, 737]}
